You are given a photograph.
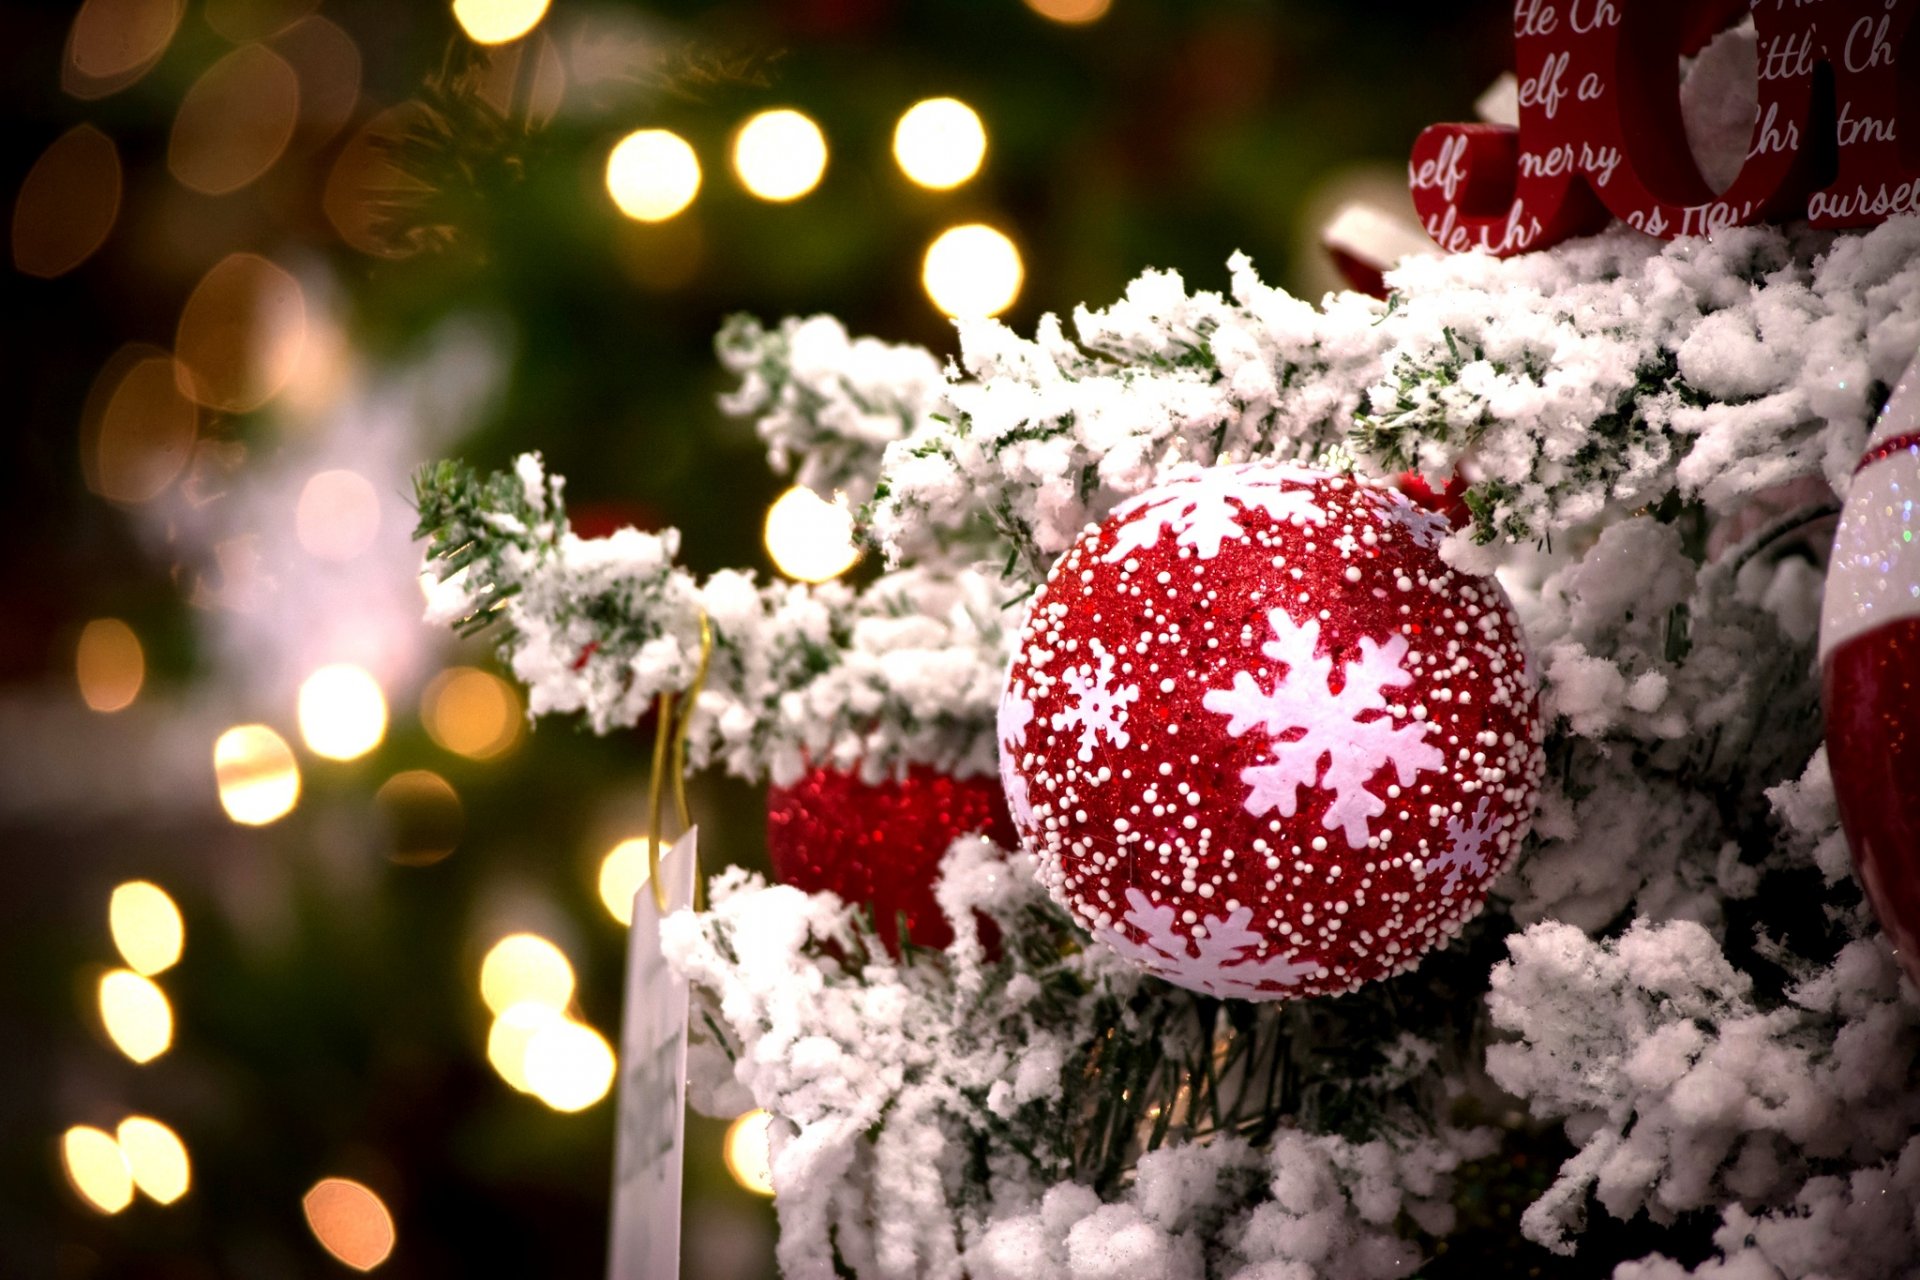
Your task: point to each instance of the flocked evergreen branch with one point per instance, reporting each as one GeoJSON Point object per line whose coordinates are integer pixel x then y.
{"type": "Point", "coordinates": [903, 671]}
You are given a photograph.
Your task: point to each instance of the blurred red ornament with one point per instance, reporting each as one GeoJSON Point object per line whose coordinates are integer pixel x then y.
{"type": "Point", "coordinates": [879, 844]}
{"type": "Point", "coordinates": [1870, 670]}
{"type": "Point", "coordinates": [1262, 741]}
{"type": "Point", "coordinates": [1449, 500]}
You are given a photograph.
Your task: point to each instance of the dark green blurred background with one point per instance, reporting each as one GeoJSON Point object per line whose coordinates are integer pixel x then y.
{"type": "Point", "coordinates": [328, 1018]}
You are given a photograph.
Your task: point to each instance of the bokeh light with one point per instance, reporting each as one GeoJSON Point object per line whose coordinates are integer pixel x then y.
{"type": "Point", "coordinates": [809, 538]}
{"type": "Point", "coordinates": [112, 43]}
{"type": "Point", "coordinates": [258, 777]}
{"type": "Point", "coordinates": [327, 62]}
{"type": "Point", "coordinates": [972, 271]}
{"type": "Point", "coordinates": [67, 203]}
{"type": "Point", "coordinates": [234, 121]}
{"type": "Point", "coordinates": [779, 155]}
{"type": "Point", "coordinates": [109, 665]}
{"type": "Point", "coordinates": [498, 21]}
{"type": "Point", "coordinates": [350, 1222]}
{"type": "Point", "coordinates": [241, 334]}
{"type": "Point", "coordinates": [146, 927]}
{"type": "Point", "coordinates": [1071, 13]}
{"type": "Point", "coordinates": [652, 174]}
{"type": "Point", "coordinates": [939, 143]}
{"type": "Point", "coordinates": [622, 872]}
{"type": "Point", "coordinates": [156, 1158]}
{"type": "Point", "coordinates": [139, 429]}
{"type": "Point", "coordinates": [569, 1066]}
{"type": "Point", "coordinates": [511, 1033]}
{"type": "Point", "coordinates": [423, 817]}
{"type": "Point", "coordinates": [136, 1015]}
{"type": "Point", "coordinates": [338, 515]}
{"type": "Point", "coordinates": [368, 186]}
{"type": "Point", "coordinates": [343, 714]}
{"type": "Point", "coordinates": [748, 1152]}
{"type": "Point", "coordinates": [472, 713]}
{"type": "Point", "coordinates": [97, 1168]}
{"type": "Point", "coordinates": [525, 968]}
{"type": "Point", "coordinates": [243, 20]}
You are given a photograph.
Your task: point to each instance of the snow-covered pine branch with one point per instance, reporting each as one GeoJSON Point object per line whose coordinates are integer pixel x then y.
{"type": "Point", "coordinates": [904, 671]}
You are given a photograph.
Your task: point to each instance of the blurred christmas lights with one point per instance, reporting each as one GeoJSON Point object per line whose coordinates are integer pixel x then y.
{"type": "Point", "coordinates": [350, 1222]}
{"type": "Point", "coordinates": [779, 155]}
{"type": "Point", "coordinates": [156, 1158]}
{"type": "Point", "coordinates": [972, 271]}
{"type": "Point", "coordinates": [109, 665]}
{"type": "Point", "coordinates": [748, 1153]}
{"type": "Point", "coordinates": [1071, 13]}
{"type": "Point", "coordinates": [241, 334]}
{"type": "Point", "coordinates": [138, 427]}
{"type": "Point", "coordinates": [338, 515]}
{"type": "Point", "coordinates": [568, 1065]}
{"type": "Point", "coordinates": [652, 174]}
{"type": "Point", "coordinates": [525, 968]}
{"type": "Point", "coordinates": [512, 1031]}
{"type": "Point", "coordinates": [136, 1015]}
{"type": "Point", "coordinates": [146, 927]}
{"type": "Point", "coordinates": [67, 203]}
{"type": "Point", "coordinates": [343, 714]}
{"type": "Point", "coordinates": [810, 539]}
{"type": "Point", "coordinates": [498, 21]}
{"type": "Point", "coordinates": [423, 817]}
{"type": "Point", "coordinates": [234, 122]}
{"type": "Point", "coordinates": [622, 872]}
{"type": "Point", "coordinates": [259, 780]}
{"type": "Point", "coordinates": [97, 1168]}
{"type": "Point", "coordinates": [112, 43]}
{"type": "Point", "coordinates": [939, 143]}
{"type": "Point", "coordinates": [472, 713]}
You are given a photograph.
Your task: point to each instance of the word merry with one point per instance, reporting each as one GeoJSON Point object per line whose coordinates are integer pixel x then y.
{"type": "Point", "coordinates": [1600, 133]}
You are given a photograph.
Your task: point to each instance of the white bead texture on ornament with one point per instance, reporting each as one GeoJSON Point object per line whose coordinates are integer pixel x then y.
{"type": "Point", "coordinates": [1262, 740]}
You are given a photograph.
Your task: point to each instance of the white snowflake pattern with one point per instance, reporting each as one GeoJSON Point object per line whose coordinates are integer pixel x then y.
{"type": "Point", "coordinates": [1426, 528]}
{"type": "Point", "coordinates": [1099, 706]}
{"type": "Point", "coordinates": [1203, 508]}
{"type": "Point", "coordinates": [1330, 726]}
{"type": "Point", "coordinates": [1466, 846]}
{"type": "Point", "coordinates": [1016, 713]}
{"type": "Point", "coordinates": [1218, 964]}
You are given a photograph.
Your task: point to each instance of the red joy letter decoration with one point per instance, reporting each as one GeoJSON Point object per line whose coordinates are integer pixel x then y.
{"type": "Point", "coordinates": [1600, 132]}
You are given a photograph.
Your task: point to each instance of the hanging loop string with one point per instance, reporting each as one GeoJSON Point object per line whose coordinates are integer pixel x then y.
{"type": "Point", "coordinates": [670, 758]}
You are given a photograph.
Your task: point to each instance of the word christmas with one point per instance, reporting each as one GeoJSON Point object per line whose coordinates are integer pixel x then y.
{"type": "Point", "coordinates": [1600, 133]}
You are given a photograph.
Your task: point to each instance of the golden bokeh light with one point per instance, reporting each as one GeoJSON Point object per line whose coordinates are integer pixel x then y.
{"type": "Point", "coordinates": [622, 872]}
{"type": "Point", "coordinates": [498, 21]}
{"type": "Point", "coordinates": [972, 271]}
{"type": "Point", "coordinates": [136, 1015]}
{"type": "Point", "coordinates": [525, 968]}
{"type": "Point", "coordinates": [234, 121]}
{"type": "Point", "coordinates": [109, 665]}
{"type": "Point", "coordinates": [652, 174]}
{"type": "Point", "coordinates": [472, 713]}
{"type": "Point", "coordinates": [337, 516]}
{"type": "Point", "coordinates": [809, 538]}
{"type": "Point", "coordinates": [939, 143]}
{"type": "Point", "coordinates": [423, 817]}
{"type": "Point", "coordinates": [67, 203]}
{"type": "Point", "coordinates": [568, 1065]}
{"type": "Point", "coordinates": [156, 1158]}
{"type": "Point", "coordinates": [1071, 13]}
{"type": "Point", "coordinates": [241, 334]}
{"type": "Point", "coordinates": [509, 1036]}
{"type": "Point", "coordinates": [367, 187]}
{"type": "Point", "coordinates": [112, 43]}
{"type": "Point", "coordinates": [97, 1168]}
{"type": "Point", "coordinates": [343, 714]}
{"type": "Point", "coordinates": [779, 155]}
{"type": "Point", "coordinates": [748, 1153]}
{"type": "Point", "coordinates": [146, 927]}
{"type": "Point", "coordinates": [138, 430]}
{"type": "Point", "coordinates": [259, 779]}
{"type": "Point", "coordinates": [327, 63]}
{"type": "Point", "coordinates": [350, 1222]}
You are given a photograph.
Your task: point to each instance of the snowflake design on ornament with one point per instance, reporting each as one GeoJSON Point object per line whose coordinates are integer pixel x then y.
{"type": "Point", "coordinates": [1330, 726]}
{"type": "Point", "coordinates": [1099, 707]}
{"type": "Point", "coordinates": [1466, 846]}
{"type": "Point", "coordinates": [1016, 713]}
{"type": "Point", "coordinates": [1218, 963]}
{"type": "Point", "coordinates": [1203, 510]}
{"type": "Point", "coordinates": [1426, 528]}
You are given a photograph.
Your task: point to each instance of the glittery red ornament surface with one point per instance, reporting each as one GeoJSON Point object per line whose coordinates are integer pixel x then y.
{"type": "Point", "coordinates": [1262, 740]}
{"type": "Point", "coordinates": [879, 844]}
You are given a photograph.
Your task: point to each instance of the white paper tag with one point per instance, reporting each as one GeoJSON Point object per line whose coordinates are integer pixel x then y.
{"type": "Point", "coordinates": [653, 1087]}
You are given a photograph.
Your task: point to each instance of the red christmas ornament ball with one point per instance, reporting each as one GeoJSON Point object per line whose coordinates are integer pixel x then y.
{"type": "Point", "coordinates": [1262, 740]}
{"type": "Point", "coordinates": [879, 844]}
